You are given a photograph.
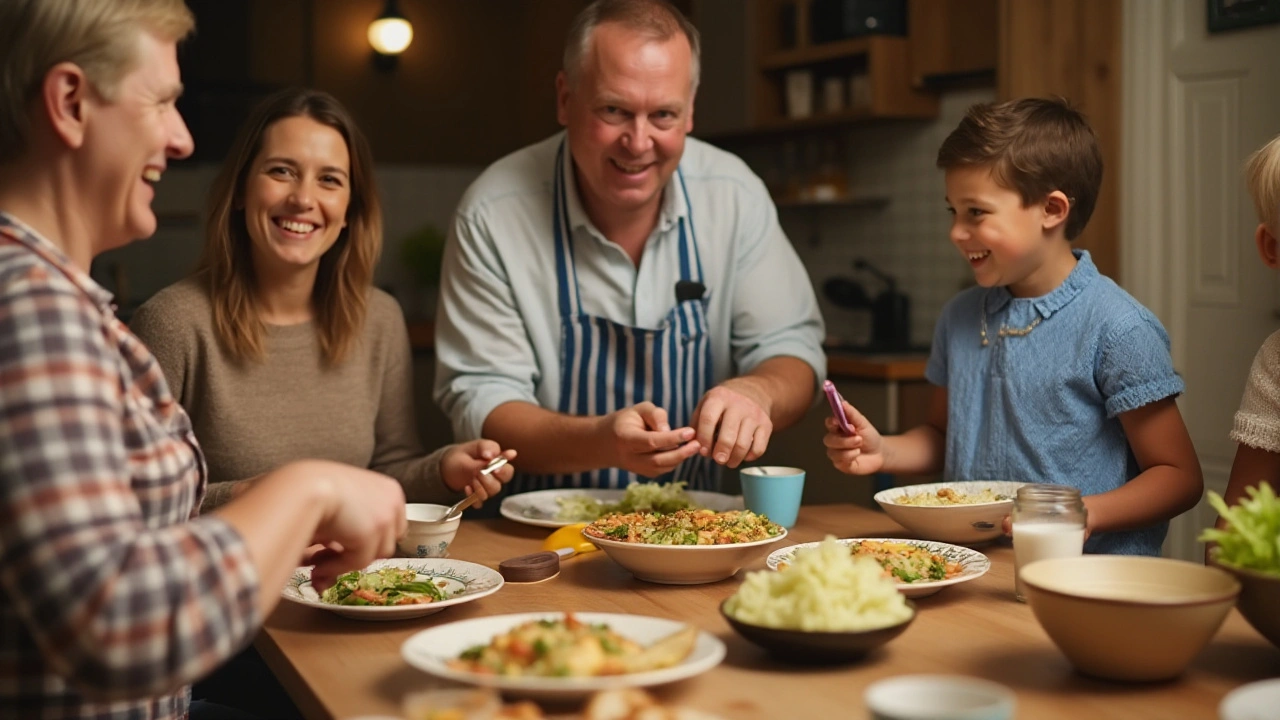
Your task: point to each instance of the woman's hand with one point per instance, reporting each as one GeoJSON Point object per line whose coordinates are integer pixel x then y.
{"type": "Point", "coordinates": [461, 465]}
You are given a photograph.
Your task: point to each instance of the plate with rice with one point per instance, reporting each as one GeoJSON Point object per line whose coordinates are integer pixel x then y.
{"type": "Point", "coordinates": [918, 567]}
{"type": "Point", "coordinates": [954, 512]}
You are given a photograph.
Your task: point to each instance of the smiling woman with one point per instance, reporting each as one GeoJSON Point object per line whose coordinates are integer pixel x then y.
{"type": "Point", "coordinates": [280, 331]}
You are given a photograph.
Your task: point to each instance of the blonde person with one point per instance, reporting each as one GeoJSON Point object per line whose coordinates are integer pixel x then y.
{"type": "Point", "coordinates": [1257, 422]}
{"type": "Point", "coordinates": [279, 346]}
{"type": "Point", "coordinates": [618, 300]}
{"type": "Point", "coordinates": [115, 593]}
{"type": "Point", "coordinates": [1046, 371]}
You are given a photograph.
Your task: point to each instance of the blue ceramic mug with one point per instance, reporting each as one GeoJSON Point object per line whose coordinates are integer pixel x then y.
{"type": "Point", "coordinates": [773, 491]}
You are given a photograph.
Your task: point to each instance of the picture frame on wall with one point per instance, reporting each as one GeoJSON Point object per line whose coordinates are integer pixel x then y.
{"type": "Point", "coordinates": [1236, 14]}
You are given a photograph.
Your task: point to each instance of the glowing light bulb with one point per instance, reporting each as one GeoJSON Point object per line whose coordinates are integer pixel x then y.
{"type": "Point", "coordinates": [390, 35]}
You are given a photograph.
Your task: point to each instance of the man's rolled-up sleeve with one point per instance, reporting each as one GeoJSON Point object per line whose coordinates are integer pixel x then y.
{"type": "Point", "coordinates": [483, 356]}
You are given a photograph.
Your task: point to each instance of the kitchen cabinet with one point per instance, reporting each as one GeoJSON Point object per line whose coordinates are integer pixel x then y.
{"type": "Point", "coordinates": [951, 39]}
{"type": "Point", "coordinates": [872, 71]}
{"type": "Point", "coordinates": [1071, 49]}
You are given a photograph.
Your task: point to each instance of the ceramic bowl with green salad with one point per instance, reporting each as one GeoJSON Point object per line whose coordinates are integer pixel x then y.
{"type": "Point", "coordinates": [1248, 547]}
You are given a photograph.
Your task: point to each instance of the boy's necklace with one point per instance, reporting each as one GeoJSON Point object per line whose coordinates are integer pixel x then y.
{"type": "Point", "coordinates": [1006, 331]}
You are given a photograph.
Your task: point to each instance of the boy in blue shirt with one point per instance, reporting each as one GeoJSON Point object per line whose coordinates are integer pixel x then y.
{"type": "Point", "coordinates": [1047, 371]}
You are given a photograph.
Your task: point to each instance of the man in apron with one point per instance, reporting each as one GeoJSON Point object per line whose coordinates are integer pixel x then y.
{"type": "Point", "coordinates": [618, 301]}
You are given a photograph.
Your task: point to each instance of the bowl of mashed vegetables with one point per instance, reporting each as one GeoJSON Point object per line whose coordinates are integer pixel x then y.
{"type": "Point", "coordinates": [827, 606]}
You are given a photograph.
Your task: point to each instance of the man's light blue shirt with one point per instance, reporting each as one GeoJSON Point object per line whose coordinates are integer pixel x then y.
{"type": "Point", "coordinates": [498, 328]}
{"type": "Point", "coordinates": [1044, 407]}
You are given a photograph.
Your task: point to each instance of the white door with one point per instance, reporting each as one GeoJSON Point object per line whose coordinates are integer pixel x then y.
{"type": "Point", "coordinates": [1195, 105]}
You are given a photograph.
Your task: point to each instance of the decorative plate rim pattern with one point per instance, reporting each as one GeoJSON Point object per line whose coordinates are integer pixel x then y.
{"type": "Point", "coordinates": [974, 563]}
{"type": "Point", "coordinates": [477, 581]}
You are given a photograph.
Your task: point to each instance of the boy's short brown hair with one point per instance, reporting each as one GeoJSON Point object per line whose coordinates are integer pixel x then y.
{"type": "Point", "coordinates": [1033, 147]}
{"type": "Point", "coordinates": [1262, 175]}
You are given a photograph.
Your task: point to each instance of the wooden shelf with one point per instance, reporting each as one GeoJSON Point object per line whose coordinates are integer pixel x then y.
{"type": "Point", "coordinates": [814, 54]}
{"type": "Point", "coordinates": [855, 200]}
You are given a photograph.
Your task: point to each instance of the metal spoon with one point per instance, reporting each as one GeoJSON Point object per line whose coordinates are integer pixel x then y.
{"type": "Point", "coordinates": [466, 502]}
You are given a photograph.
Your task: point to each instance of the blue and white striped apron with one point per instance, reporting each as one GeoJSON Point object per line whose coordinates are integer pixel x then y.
{"type": "Point", "coordinates": [606, 366]}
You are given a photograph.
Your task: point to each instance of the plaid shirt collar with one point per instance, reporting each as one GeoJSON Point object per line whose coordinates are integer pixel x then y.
{"type": "Point", "coordinates": [23, 234]}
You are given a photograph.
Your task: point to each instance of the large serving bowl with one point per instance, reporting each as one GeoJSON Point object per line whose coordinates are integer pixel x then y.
{"type": "Point", "coordinates": [1259, 600]}
{"type": "Point", "coordinates": [814, 646]}
{"type": "Point", "coordinates": [1128, 618]}
{"type": "Point", "coordinates": [965, 524]}
{"type": "Point", "coordinates": [683, 564]}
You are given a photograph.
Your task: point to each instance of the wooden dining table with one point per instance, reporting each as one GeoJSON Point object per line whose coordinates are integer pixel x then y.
{"type": "Point", "coordinates": [339, 668]}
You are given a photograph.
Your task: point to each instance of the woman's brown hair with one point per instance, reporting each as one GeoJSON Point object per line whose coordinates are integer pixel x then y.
{"type": "Point", "coordinates": [340, 297]}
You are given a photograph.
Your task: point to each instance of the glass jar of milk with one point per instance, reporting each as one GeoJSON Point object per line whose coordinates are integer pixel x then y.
{"type": "Point", "coordinates": [1048, 522]}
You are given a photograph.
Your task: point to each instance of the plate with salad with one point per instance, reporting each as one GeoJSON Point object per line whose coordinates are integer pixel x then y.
{"type": "Point", "coordinates": [397, 589]}
{"type": "Point", "coordinates": [558, 508]}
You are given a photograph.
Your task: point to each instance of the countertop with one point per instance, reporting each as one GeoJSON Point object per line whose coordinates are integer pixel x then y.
{"type": "Point", "coordinates": [841, 363]}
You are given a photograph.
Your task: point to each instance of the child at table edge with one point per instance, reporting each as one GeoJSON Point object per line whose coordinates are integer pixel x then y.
{"type": "Point", "coordinates": [1047, 371]}
{"type": "Point", "coordinates": [1256, 427]}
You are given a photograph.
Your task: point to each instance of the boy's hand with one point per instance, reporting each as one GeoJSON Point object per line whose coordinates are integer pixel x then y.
{"type": "Point", "coordinates": [461, 465]}
{"type": "Point", "coordinates": [859, 454]}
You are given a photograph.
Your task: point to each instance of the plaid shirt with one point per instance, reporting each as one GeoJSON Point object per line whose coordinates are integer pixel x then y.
{"type": "Point", "coordinates": [113, 597]}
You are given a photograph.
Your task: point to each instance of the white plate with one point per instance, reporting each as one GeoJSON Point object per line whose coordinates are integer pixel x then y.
{"type": "Point", "coordinates": [969, 523]}
{"type": "Point", "coordinates": [463, 582]}
{"type": "Point", "coordinates": [974, 563]}
{"type": "Point", "coordinates": [540, 507]}
{"type": "Point", "coordinates": [430, 651]}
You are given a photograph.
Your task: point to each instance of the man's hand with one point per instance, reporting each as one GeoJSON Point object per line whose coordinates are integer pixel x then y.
{"type": "Point", "coordinates": [461, 465]}
{"type": "Point", "coordinates": [859, 454]}
{"type": "Point", "coordinates": [733, 422]}
{"type": "Point", "coordinates": [644, 442]}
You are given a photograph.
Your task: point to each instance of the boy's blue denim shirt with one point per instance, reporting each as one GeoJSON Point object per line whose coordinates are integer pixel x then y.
{"type": "Point", "coordinates": [1044, 407]}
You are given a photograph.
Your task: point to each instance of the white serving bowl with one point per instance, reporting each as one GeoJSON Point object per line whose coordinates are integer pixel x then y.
{"type": "Point", "coordinates": [683, 564]}
{"type": "Point", "coordinates": [964, 524]}
{"type": "Point", "coordinates": [426, 539]}
{"type": "Point", "coordinates": [1129, 618]}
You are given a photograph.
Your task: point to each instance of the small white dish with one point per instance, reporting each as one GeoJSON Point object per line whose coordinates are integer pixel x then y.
{"type": "Point", "coordinates": [967, 524]}
{"type": "Point", "coordinates": [682, 564]}
{"type": "Point", "coordinates": [461, 581]}
{"type": "Point", "coordinates": [539, 508]}
{"type": "Point", "coordinates": [939, 697]}
{"type": "Point", "coordinates": [974, 563]}
{"type": "Point", "coordinates": [1255, 701]}
{"type": "Point", "coordinates": [430, 651]}
{"type": "Point", "coordinates": [425, 536]}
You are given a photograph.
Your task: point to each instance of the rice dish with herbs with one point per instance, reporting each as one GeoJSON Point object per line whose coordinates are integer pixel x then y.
{"type": "Point", "coordinates": [685, 527]}
{"type": "Point", "coordinates": [825, 589]}
{"type": "Point", "coordinates": [950, 496]}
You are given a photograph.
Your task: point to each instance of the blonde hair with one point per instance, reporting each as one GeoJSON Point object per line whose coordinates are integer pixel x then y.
{"type": "Point", "coordinates": [100, 36]}
{"type": "Point", "coordinates": [345, 276]}
{"type": "Point", "coordinates": [656, 19]}
{"type": "Point", "coordinates": [1262, 175]}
